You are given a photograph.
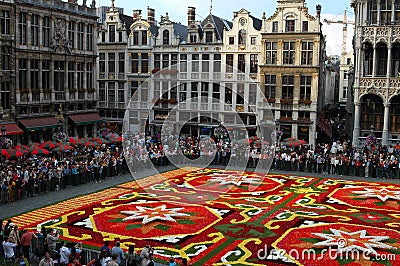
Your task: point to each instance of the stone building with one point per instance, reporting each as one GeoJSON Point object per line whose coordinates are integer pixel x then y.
{"type": "Point", "coordinates": [53, 52]}
{"type": "Point", "coordinates": [291, 68]}
{"type": "Point", "coordinates": [376, 73]}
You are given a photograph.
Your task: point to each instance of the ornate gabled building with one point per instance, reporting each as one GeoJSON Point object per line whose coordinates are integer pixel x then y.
{"type": "Point", "coordinates": [376, 73]}
{"type": "Point", "coordinates": [291, 68]}
{"type": "Point", "coordinates": [48, 67]}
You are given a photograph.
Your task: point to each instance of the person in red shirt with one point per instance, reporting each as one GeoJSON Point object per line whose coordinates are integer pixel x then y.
{"type": "Point", "coordinates": [26, 241]}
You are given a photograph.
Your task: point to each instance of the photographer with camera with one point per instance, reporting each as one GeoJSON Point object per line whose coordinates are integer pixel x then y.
{"type": "Point", "coordinates": [52, 238]}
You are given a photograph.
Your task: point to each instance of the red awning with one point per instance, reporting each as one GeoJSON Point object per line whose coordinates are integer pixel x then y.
{"type": "Point", "coordinates": [39, 123]}
{"type": "Point", "coordinates": [12, 129]}
{"type": "Point", "coordinates": [86, 119]}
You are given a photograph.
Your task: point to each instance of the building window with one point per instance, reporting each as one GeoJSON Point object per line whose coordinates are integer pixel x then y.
{"type": "Point", "coordinates": [80, 70]}
{"type": "Point", "coordinates": [157, 61]}
{"type": "Point", "coordinates": [80, 35]}
{"type": "Point", "coordinates": [205, 63]}
{"type": "Point", "coordinates": [305, 26]}
{"type": "Point", "coordinates": [46, 75]}
{"type": "Point", "coordinates": [46, 32]}
{"type": "Point", "coordinates": [231, 40]}
{"type": "Point", "coordinates": [252, 94]}
{"type": "Point", "coordinates": [135, 63]}
{"type": "Point", "coordinates": [287, 86]}
{"type": "Point", "coordinates": [253, 63]}
{"type": "Point", "coordinates": [305, 88]}
{"type": "Point", "coordinates": [253, 40]}
{"type": "Point", "coordinates": [372, 111]}
{"type": "Point", "coordinates": [216, 92]}
{"type": "Point", "coordinates": [183, 62]}
{"type": "Point", "coordinates": [209, 36]}
{"type": "Point", "coordinates": [134, 87]}
{"type": "Point", "coordinates": [240, 93]}
{"type": "Point", "coordinates": [288, 53]}
{"type": "Point", "coordinates": [372, 11]}
{"type": "Point", "coordinates": [5, 58]}
{"type": "Point", "coordinates": [59, 76]}
{"type": "Point", "coordinates": [382, 59]}
{"type": "Point", "coordinates": [111, 33]}
{"type": "Point", "coordinates": [22, 28]}
{"type": "Point", "coordinates": [386, 12]}
{"type": "Point", "coordinates": [194, 90]}
{"type": "Point", "coordinates": [165, 60]}
{"type": "Point", "coordinates": [144, 92]}
{"type": "Point", "coordinates": [145, 63]}
{"type": "Point", "coordinates": [35, 30]}
{"type": "Point", "coordinates": [307, 53]}
{"type": "Point", "coordinates": [89, 75]}
{"type": "Point", "coordinates": [270, 86]}
{"type": "Point", "coordinates": [182, 92]}
{"type": "Point", "coordinates": [89, 38]}
{"type": "Point", "coordinates": [71, 33]}
{"type": "Point", "coordinates": [271, 52]}
{"type": "Point", "coordinates": [217, 63]}
{"type": "Point", "coordinates": [290, 25]}
{"type": "Point", "coordinates": [71, 75]}
{"type": "Point", "coordinates": [344, 95]}
{"type": "Point", "coordinates": [103, 37]}
{"type": "Point", "coordinates": [275, 26]}
{"type": "Point", "coordinates": [174, 60]}
{"type": "Point", "coordinates": [193, 38]}
{"type": "Point", "coordinates": [166, 37]}
{"type": "Point", "coordinates": [102, 92]}
{"type": "Point", "coordinates": [228, 93]}
{"type": "Point", "coordinates": [242, 63]}
{"type": "Point", "coordinates": [35, 74]}
{"type": "Point", "coordinates": [120, 36]}
{"type": "Point", "coordinates": [121, 92]}
{"type": "Point", "coordinates": [229, 63]}
{"type": "Point", "coordinates": [111, 94]}
{"type": "Point", "coordinates": [5, 95]}
{"type": "Point", "coordinates": [102, 63]}
{"type": "Point", "coordinates": [135, 38]}
{"type": "Point", "coordinates": [5, 22]}
{"type": "Point", "coordinates": [242, 37]}
{"type": "Point", "coordinates": [195, 63]}
{"type": "Point", "coordinates": [204, 92]}
{"type": "Point", "coordinates": [121, 63]}
{"type": "Point", "coordinates": [111, 62]}
{"type": "Point", "coordinates": [144, 37]}
{"type": "Point", "coordinates": [23, 73]}
{"type": "Point", "coordinates": [397, 12]}
{"type": "Point", "coordinates": [368, 59]}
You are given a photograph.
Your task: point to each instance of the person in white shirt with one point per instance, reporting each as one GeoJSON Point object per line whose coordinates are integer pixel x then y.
{"type": "Point", "coordinates": [64, 254]}
{"type": "Point", "coordinates": [8, 248]}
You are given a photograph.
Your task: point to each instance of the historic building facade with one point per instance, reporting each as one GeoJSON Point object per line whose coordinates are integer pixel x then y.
{"type": "Point", "coordinates": [291, 68]}
{"type": "Point", "coordinates": [54, 59]}
{"type": "Point", "coordinates": [377, 67]}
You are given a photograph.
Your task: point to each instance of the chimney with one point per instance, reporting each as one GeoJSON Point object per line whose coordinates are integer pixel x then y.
{"type": "Point", "coordinates": [318, 8]}
{"type": "Point", "coordinates": [151, 16]}
{"type": "Point", "coordinates": [235, 14]}
{"type": "Point", "coordinates": [191, 15]}
{"type": "Point", "coordinates": [136, 14]}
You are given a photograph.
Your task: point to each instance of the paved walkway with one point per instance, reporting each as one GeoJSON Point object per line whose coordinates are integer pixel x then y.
{"type": "Point", "coordinates": [18, 207]}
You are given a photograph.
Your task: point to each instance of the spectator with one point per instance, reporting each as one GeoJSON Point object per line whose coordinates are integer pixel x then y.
{"type": "Point", "coordinates": [113, 261]}
{"type": "Point", "coordinates": [21, 260]}
{"type": "Point", "coordinates": [26, 240]}
{"type": "Point", "coordinates": [47, 260]}
{"type": "Point", "coordinates": [64, 254]}
{"type": "Point", "coordinates": [52, 238]}
{"type": "Point", "coordinates": [119, 252]}
{"type": "Point", "coordinates": [132, 259]}
{"type": "Point", "coordinates": [106, 248]}
{"type": "Point", "coordinates": [8, 248]}
{"type": "Point", "coordinates": [172, 261]}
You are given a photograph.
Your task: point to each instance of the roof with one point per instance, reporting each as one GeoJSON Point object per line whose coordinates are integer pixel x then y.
{"type": "Point", "coordinates": [39, 123]}
{"type": "Point", "coordinates": [154, 29]}
{"type": "Point", "coordinates": [219, 24]}
{"type": "Point", "coordinates": [86, 119]}
{"type": "Point", "coordinates": [257, 23]}
{"type": "Point", "coordinates": [128, 21]}
{"type": "Point", "coordinates": [181, 30]}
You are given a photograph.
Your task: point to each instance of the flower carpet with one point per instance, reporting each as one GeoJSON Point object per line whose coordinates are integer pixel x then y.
{"type": "Point", "coordinates": [218, 217]}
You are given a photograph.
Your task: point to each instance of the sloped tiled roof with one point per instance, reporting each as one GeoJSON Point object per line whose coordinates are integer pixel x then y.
{"type": "Point", "coordinates": [181, 30]}
{"type": "Point", "coordinates": [219, 24]}
{"type": "Point", "coordinates": [128, 20]}
{"type": "Point", "coordinates": [257, 23]}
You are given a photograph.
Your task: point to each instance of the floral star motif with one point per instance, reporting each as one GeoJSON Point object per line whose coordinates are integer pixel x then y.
{"type": "Point", "coordinates": [237, 180]}
{"type": "Point", "coordinates": [153, 214]}
{"type": "Point", "coordinates": [383, 194]}
{"type": "Point", "coordinates": [351, 241]}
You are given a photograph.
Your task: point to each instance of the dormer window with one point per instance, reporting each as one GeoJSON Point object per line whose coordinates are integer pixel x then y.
{"type": "Point", "coordinates": [111, 33]}
{"type": "Point", "coordinates": [193, 38]}
{"type": "Point", "coordinates": [144, 37]}
{"type": "Point", "coordinates": [290, 25]}
{"type": "Point", "coordinates": [209, 36]}
{"type": "Point", "coordinates": [165, 37]}
{"type": "Point", "coordinates": [242, 37]}
{"type": "Point", "coordinates": [135, 38]}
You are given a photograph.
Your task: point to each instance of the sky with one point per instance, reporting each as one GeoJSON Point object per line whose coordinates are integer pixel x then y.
{"type": "Point", "coordinates": [177, 11]}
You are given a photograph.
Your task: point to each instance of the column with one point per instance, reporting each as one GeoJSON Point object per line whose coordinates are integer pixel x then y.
{"type": "Point", "coordinates": [379, 13]}
{"type": "Point", "coordinates": [28, 29]}
{"type": "Point", "coordinates": [389, 64]}
{"type": "Point", "coordinates": [40, 33]}
{"type": "Point", "coordinates": [52, 80]}
{"type": "Point", "coordinates": [393, 13]}
{"type": "Point", "coordinates": [140, 63]}
{"type": "Point", "coordinates": [356, 130]}
{"type": "Point", "coordinates": [85, 25]}
{"type": "Point", "coordinates": [386, 121]}
{"type": "Point", "coordinates": [374, 62]}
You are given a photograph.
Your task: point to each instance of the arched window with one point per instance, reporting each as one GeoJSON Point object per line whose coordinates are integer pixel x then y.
{"type": "Point", "coordinates": [395, 60]}
{"type": "Point", "coordinates": [394, 115]}
{"type": "Point", "coordinates": [242, 37]}
{"type": "Point", "coordinates": [368, 59]}
{"type": "Point", "coordinates": [372, 112]}
{"type": "Point", "coordinates": [165, 37]}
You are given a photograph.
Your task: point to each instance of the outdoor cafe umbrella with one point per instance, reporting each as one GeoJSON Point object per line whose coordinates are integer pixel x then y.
{"type": "Point", "coordinates": [292, 142]}
{"type": "Point", "coordinates": [38, 151]}
{"type": "Point", "coordinates": [4, 152]}
{"type": "Point", "coordinates": [15, 153]}
{"type": "Point", "coordinates": [242, 141]}
{"type": "Point", "coordinates": [63, 148]}
{"type": "Point", "coordinates": [48, 145]}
